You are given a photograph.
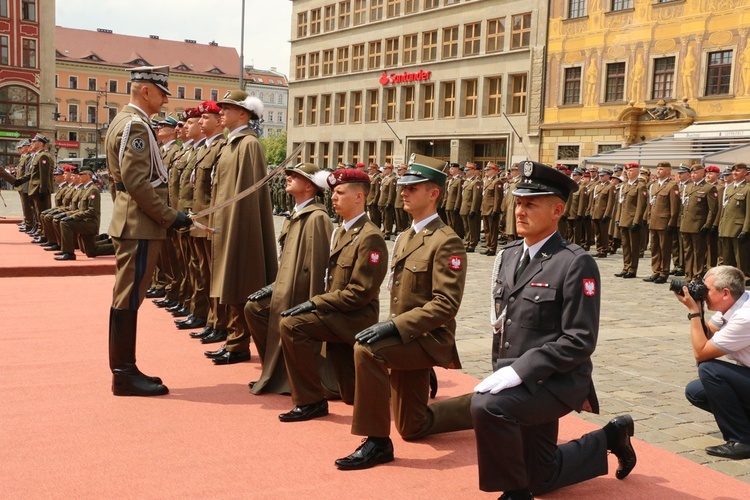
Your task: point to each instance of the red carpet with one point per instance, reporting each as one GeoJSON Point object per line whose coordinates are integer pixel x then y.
{"type": "Point", "coordinates": [65, 436]}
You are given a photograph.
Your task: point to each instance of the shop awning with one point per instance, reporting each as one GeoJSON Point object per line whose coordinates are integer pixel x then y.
{"type": "Point", "coordinates": [719, 143]}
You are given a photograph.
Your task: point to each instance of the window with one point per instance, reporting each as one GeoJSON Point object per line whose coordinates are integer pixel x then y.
{"type": "Point", "coordinates": [326, 105]}
{"type": "Point", "coordinates": [429, 46]}
{"type": "Point", "coordinates": [603, 148]}
{"type": "Point", "coordinates": [338, 151]}
{"type": "Point", "coordinates": [410, 49]}
{"type": "Point", "coordinates": [451, 2]}
{"type": "Point", "coordinates": [314, 64]}
{"type": "Point", "coordinates": [112, 112]}
{"type": "Point", "coordinates": [301, 24]}
{"type": "Point", "coordinates": [390, 104]}
{"type": "Point", "coordinates": [342, 60]}
{"type": "Point", "coordinates": [407, 99]}
{"type": "Point", "coordinates": [281, 98]}
{"type": "Point", "coordinates": [28, 56]}
{"type": "Point", "coordinates": [28, 10]}
{"type": "Point", "coordinates": [341, 107]}
{"type": "Point", "coordinates": [520, 33]}
{"type": "Point", "coordinates": [448, 92]}
{"type": "Point", "coordinates": [391, 52]}
{"type": "Point", "coordinates": [92, 84]}
{"type": "Point", "coordinates": [470, 97]}
{"type": "Point", "coordinates": [376, 10]}
{"type": "Point", "coordinates": [360, 8]}
{"type": "Point", "coordinates": [374, 55]}
{"type": "Point", "coordinates": [372, 105]}
{"type": "Point", "coordinates": [615, 82]}
{"type": "Point", "coordinates": [576, 8]}
{"type": "Point", "coordinates": [270, 117]}
{"type": "Point", "coordinates": [328, 62]}
{"type": "Point", "coordinates": [315, 22]}
{"type": "Point", "coordinates": [410, 6]}
{"type": "Point", "coordinates": [113, 86]}
{"type": "Point", "coordinates": [90, 114]}
{"type": "Point", "coordinates": [356, 100]}
{"type": "Point", "coordinates": [387, 151]}
{"type": "Point", "coordinates": [299, 111]}
{"type": "Point", "coordinates": [299, 73]}
{"type": "Point", "coordinates": [198, 94]}
{"type": "Point", "coordinates": [622, 4]}
{"type": "Point", "coordinates": [358, 57]}
{"type": "Point", "coordinates": [494, 95]}
{"type": "Point", "coordinates": [72, 112]}
{"type": "Point", "coordinates": [329, 18]}
{"type": "Point", "coordinates": [394, 8]}
{"type": "Point", "coordinates": [310, 152]}
{"type": "Point", "coordinates": [431, 4]}
{"type": "Point", "coordinates": [354, 151]}
{"type": "Point", "coordinates": [567, 154]}
{"type": "Point", "coordinates": [495, 35]}
{"type": "Point", "coordinates": [663, 78]}
{"type": "Point", "coordinates": [325, 154]}
{"type": "Point", "coordinates": [3, 8]}
{"type": "Point", "coordinates": [472, 34]}
{"type": "Point", "coordinates": [127, 88]}
{"type": "Point", "coordinates": [370, 151]}
{"type": "Point", "coordinates": [312, 110]}
{"type": "Point", "coordinates": [180, 92]}
{"type": "Point", "coordinates": [280, 116]}
{"type": "Point", "coordinates": [572, 86]}
{"type": "Point", "coordinates": [72, 82]}
{"type": "Point", "coordinates": [5, 52]}
{"type": "Point", "coordinates": [450, 42]}
{"type": "Point", "coordinates": [73, 136]}
{"type": "Point", "coordinates": [719, 72]}
{"type": "Point", "coordinates": [20, 106]}
{"type": "Point", "coordinates": [214, 95]}
{"type": "Point", "coordinates": [345, 14]}
{"type": "Point", "coordinates": [518, 94]}
{"type": "Point", "coordinates": [428, 101]}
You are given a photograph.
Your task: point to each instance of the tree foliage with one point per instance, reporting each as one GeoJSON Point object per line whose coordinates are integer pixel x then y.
{"type": "Point", "coordinates": [275, 147]}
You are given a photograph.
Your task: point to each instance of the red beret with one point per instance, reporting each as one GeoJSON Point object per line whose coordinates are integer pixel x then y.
{"type": "Point", "coordinates": [191, 113]}
{"type": "Point", "coordinates": [209, 107]}
{"type": "Point", "coordinates": [713, 168]}
{"type": "Point", "coordinates": [360, 164]}
{"type": "Point", "coordinates": [631, 165]}
{"type": "Point", "coordinates": [346, 176]}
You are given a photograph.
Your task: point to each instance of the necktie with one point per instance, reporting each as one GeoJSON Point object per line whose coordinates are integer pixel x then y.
{"type": "Point", "coordinates": [522, 266]}
{"type": "Point", "coordinates": [339, 234]}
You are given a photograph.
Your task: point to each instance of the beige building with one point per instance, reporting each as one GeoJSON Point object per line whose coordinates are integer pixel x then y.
{"type": "Point", "coordinates": [272, 88]}
{"type": "Point", "coordinates": [377, 80]}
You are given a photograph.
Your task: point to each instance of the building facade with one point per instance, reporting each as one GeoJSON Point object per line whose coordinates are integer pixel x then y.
{"type": "Point", "coordinates": [377, 80]}
{"type": "Point", "coordinates": [620, 72]}
{"type": "Point", "coordinates": [272, 88]}
{"type": "Point", "coordinates": [27, 62]}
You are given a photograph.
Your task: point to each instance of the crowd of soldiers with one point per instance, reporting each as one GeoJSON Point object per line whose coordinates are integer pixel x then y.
{"type": "Point", "coordinates": [73, 222]}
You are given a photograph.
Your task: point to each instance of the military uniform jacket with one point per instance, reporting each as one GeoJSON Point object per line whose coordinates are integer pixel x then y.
{"type": "Point", "coordinates": [471, 196]}
{"type": "Point", "coordinates": [509, 205]}
{"type": "Point", "coordinates": [427, 279]}
{"type": "Point", "coordinates": [492, 196]}
{"type": "Point", "coordinates": [399, 202]}
{"type": "Point", "coordinates": [600, 197]}
{"type": "Point", "coordinates": [40, 173]}
{"type": "Point", "coordinates": [244, 246]}
{"type": "Point", "coordinates": [187, 178]}
{"type": "Point", "coordinates": [664, 204]}
{"type": "Point", "coordinates": [699, 206]}
{"type": "Point", "coordinates": [574, 205]}
{"type": "Point", "coordinates": [141, 211]}
{"type": "Point", "coordinates": [168, 154]}
{"type": "Point", "coordinates": [178, 165]}
{"type": "Point", "coordinates": [203, 184]}
{"type": "Point", "coordinates": [735, 211]}
{"type": "Point", "coordinates": [21, 170]}
{"type": "Point", "coordinates": [357, 266]}
{"type": "Point", "coordinates": [547, 322]}
{"type": "Point", "coordinates": [633, 200]}
{"type": "Point", "coordinates": [387, 191]}
{"type": "Point", "coordinates": [89, 205]}
{"type": "Point", "coordinates": [62, 190]}
{"type": "Point", "coordinates": [374, 193]}
{"type": "Point", "coordinates": [453, 193]}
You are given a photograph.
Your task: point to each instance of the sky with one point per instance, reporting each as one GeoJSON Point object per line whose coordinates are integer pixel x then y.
{"type": "Point", "coordinates": [267, 23]}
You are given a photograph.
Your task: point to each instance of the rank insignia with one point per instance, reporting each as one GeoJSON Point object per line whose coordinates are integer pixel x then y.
{"type": "Point", "coordinates": [374, 257]}
{"type": "Point", "coordinates": [456, 262]}
{"type": "Point", "coordinates": [589, 287]}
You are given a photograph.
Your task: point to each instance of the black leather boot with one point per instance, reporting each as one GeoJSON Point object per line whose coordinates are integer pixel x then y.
{"type": "Point", "coordinates": [127, 379]}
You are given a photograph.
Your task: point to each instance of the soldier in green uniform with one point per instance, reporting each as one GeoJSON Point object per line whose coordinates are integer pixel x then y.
{"type": "Point", "coordinates": [84, 222]}
{"type": "Point", "coordinates": [664, 210]}
{"type": "Point", "coordinates": [699, 212]}
{"type": "Point", "coordinates": [471, 205]}
{"type": "Point", "coordinates": [633, 200]}
{"type": "Point", "coordinates": [734, 224]}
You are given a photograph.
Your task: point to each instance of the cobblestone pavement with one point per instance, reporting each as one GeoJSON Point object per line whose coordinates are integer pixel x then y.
{"type": "Point", "coordinates": [641, 366]}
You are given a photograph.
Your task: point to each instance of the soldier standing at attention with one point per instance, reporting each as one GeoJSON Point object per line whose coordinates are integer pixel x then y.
{"type": "Point", "coordinates": [374, 194]}
{"type": "Point", "coordinates": [664, 202]}
{"type": "Point", "coordinates": [633, 200]}
{"type": "Point", "coordinates": [712, 239]}
{"type": "Point", "coordinates": [699, 212]}
{"type": "Point", "coordinates": [678, 247]}
{"type": "Point", "coordinates": [471, 205]}
{"type": "Point", "coordinates": [509, 202]}
{"type": "Point", "coordinates": [734, 224]}
{"type": "Point", "coordinates": [492, 199]}
{"type": "Point", "coordinates": [386, 199]}
{"type": "Point", "coordinates": [140, 217]}
{"type": "Point", "coordinates": [601, 211]}
{"type": "Point", "coordinates": [452, 196]}
{"type": "Point", "coordinates": [402, 217]}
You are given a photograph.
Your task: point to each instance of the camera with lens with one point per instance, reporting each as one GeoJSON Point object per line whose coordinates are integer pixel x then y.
{"type": "Point", "coordinates": [697, 289]}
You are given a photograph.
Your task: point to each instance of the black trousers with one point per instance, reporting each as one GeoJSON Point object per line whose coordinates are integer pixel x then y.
{"type": "Point", "coordinates": [517, 448]}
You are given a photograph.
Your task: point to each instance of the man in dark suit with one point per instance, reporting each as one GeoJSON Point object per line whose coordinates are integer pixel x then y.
{"type": "Point", "coordinates": [542, 355]}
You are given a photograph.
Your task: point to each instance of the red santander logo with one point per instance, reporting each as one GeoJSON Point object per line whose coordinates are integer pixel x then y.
{"type": "Point", "coordinates": [405, 77]}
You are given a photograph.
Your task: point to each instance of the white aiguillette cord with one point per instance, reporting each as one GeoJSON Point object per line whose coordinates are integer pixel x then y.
{"type": "Point", "coordinates": [243, 193]}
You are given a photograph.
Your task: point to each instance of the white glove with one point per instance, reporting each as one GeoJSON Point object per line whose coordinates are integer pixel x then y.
{"type": "Point", "coordinates": [504, 378]}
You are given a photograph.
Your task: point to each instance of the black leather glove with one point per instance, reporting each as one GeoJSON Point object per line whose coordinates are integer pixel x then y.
{"type": "Point", "coordinates": [635, 226]}
{"type": "Point", "coordinates": [715, 230]}
{"type": "Point", "coordinates": [472, 214]}
{"type": "Point", "coordinates": [705, 230]}
{"type": "Point", "coordinates": [742, 237]}
{"type": "Point", "coordinates": [495, 215]}
{"type": "Point", "coordinates": [376, 332]}
{"type": "Point", "coordinates": [389, 206]}
{"type": "Point", "coordinates": [579, 217]}
{"type": "Point", "coordinates": [18, 182]}
{"type": "Point", "coordinates": [181, 221]}
{"type": "Point", "coordinates": [587, 216]}
{"type": "Point", "coordinates": [671, 229]}
{"type": "Point", "coordinates": [67, 219]}
{"type": "Point", "coordinates": [264, 292]}
{"type": "Point", "coordinates": [304, 307]}
{"type": "Point", "coordinates": [606, 219]}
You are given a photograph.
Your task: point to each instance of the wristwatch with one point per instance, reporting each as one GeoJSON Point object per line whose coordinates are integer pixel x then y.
{"type": "Point", "coordinates": [694, 315]}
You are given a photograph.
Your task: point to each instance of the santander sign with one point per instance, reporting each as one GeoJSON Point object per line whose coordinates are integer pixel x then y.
{"type": "Point", "coordinates": [405, 77]}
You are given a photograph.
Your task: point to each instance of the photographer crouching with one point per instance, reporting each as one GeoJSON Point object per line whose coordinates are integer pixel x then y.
{"type": "Point", "coordinates": [722, 388]}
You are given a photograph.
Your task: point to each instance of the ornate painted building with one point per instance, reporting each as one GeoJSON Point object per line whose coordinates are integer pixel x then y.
{"type": "Point", "coordinates": [620, 72]}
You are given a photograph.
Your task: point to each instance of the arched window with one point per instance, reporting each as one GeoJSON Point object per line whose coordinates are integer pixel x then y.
{"type": "Point", "coordinates": [19, 107]}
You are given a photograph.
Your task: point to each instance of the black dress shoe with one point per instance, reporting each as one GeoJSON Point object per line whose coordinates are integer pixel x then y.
{"type": "Point", "coordinates": [217, 353]}
{"type": "Point", "coordinates": [47, 244]}
{"type": "Point", "coordinates": [620, 275]}
{"type": "Point", "coordinates": [628, 275]}
{"type": "Point", "coordinates": [165, 303]}
{"type": "Point", "coordinates": [468, 250]}
{"type": "Point", "coordinates": [128, 383]}
{"type": "Point", "coordinates": [660, 280]}
{"type": "Point", "coordinates": [181, 313]}
{"type": "Point", "coordinates": [38, 240]}
{"type": "Point", "coordinates": [369, 454]}
{"type": "Point", "coordinates": [678, 273]}
{"type": "Point", "coordinates": [52, 248]}
{"type": "Point", "coordinates": [623, 450]}
{"type": "Point", "coordinates": [650, 279]}
{"type": "Point", "coordinates": [183, 320]}
{"type": "Point", "coordinates": [155, 294]}
{"type": "Point", "coordinates": [214, 337]}
{"type": "Point", "coordinates": [306, 412]}
{"type": "Point", "coordinates": [730, 449]}
{"type": "Point", "coordinates": [490, 253]}
{"type": "Point", "coordinates": [199, 335]}
{"type": "Point", "coordinates": [193, 323]}
{"type": "Point", "coordinates": [230, 358]}
{"type": "Point", "coordinates": [516, 495]}
{"type": "Point", "coordinates": [177, 306]}
{"type": "Point", "coordinates": [66, 256]}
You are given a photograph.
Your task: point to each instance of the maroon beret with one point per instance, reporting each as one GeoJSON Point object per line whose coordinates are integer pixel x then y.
{"type": "Point", "coordinates": [191, 113]}
{"type": "Point", "coordinates": [209, 107]}
{"type": "Point", "coordinates": [346, 176]}
{"type": "Point", "coordinates": [713, 168]}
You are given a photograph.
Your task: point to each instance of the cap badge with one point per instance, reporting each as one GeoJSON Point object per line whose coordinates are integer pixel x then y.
{"type": "Point", "coordinates": [528, 169]}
